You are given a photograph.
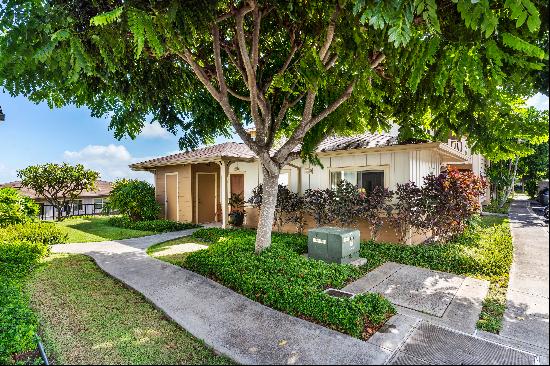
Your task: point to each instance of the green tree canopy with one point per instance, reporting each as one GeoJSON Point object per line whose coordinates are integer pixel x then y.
{"type": "Point", "coordinates": [295, 69]}
{"type": "Point", "coordinates": [59, 184]}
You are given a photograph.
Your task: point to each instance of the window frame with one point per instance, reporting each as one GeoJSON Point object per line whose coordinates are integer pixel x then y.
{"type": "Point", "coordinates": [96, 204]}
{"type": "Point", "coordinates": [374, 168]}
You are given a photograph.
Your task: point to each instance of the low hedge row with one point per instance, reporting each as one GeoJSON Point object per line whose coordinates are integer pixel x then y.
{"type": "Point", "coordinates": [18, 323]}
{"type": "Point", "coordinates": [150, 225]}
{"type": "Point", "coordinates": [283, 279]}
{"type": "Point", "coordinates": [22, 246]}
{"type": "Point", "coordinates": [34, 232]}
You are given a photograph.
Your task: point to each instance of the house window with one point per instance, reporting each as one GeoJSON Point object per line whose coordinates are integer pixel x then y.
{"type": "Point", "coordinates": [98, 203]}
{"type": "Point", "coordinates": [284, 179]}
{"type": "Point", "coordinates": [367, 179]}
{"type": "Point", "coordinates": [77, 205]}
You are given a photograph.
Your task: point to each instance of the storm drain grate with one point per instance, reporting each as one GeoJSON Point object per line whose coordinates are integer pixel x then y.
{"type": "Point", "coordinates": [439, 346]}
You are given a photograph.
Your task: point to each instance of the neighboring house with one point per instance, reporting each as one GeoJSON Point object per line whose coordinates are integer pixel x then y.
{"type": "Point", "coordinates": [191, 186]}
{"type": "Point", "coordinates": [87, 203]}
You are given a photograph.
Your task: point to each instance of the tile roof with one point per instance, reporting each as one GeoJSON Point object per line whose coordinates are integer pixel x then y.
{"type": "Point", "coordinates": [103, 189]}
{"type": "Point", "coordinates": [363, 141]}
{"type": "Point", "coordinates": [226, 150]}
{"type": "Point", "coordinates": [234, 150]}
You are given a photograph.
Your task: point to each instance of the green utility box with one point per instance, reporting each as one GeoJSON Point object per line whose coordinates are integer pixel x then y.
{"type": "Point", "coordinates": [333, 244]}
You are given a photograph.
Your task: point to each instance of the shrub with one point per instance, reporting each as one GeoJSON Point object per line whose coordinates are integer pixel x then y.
{"type": "Point", "coordinates": [288, 209]}
{"type": "Point", "coordinates": [18, 323]}
{"type": "Point", "coordinates": [34, 232]}
{"type": "Point", "coordinates": [135, 199]}
{"type": "Point", "coordinates": [452, 198]}
{"type": "Point", "coordinates": [408, 210]}
{"type": "Point", "coordinates": [374, 207]}
{"type": "Point", "coordinates": [18, 258]}
{"type": "Point", "coordinates": [345, 205]}
{"type": "Point", "coordinates": [318, 203]}
{"type": "Point", "coordinates": [16, 208]}
{"type": "Point", "coordinates": [150, 225]}
{"type": "Point", "coordinates": [281, 278]}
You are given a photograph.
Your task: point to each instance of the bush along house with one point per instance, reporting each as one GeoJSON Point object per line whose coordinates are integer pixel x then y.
{"type": "Point", "coordinates": [195, 186]}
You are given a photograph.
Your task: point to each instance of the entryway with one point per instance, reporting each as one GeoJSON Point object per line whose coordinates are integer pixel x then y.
{"type": "Point", "coordinates": [206, 197]}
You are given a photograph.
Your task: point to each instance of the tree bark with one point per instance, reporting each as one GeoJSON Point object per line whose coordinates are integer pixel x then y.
{"type": "Point", "coordinates": [510, 189]}
{"type": "Point", "coordinates": [267, 210]}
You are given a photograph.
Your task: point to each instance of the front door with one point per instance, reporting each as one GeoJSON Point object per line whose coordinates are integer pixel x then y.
{"type": "Point", "coordinates": [206, 197]}
{"type": "Point", "coordinates": [171, 197]}
{"type": "Point", "coordinates": [237, 184]}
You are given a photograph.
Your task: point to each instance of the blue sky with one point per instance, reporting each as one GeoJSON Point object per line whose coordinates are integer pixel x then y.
{"type": "Point", "coordinates": [34, 133]}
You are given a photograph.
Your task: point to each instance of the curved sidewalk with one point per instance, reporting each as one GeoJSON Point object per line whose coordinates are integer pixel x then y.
{"type": "Point", "coordinates": [244, 330]}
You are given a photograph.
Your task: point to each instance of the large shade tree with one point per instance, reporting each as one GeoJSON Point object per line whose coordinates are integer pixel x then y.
{"type": "Point", "coordinates": [294, 70]}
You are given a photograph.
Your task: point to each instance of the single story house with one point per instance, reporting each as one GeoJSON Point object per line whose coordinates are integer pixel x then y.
{"type": "Point", "coordinates": [87, 203]}
{"type": "Point", "coordinates": [194, 186]}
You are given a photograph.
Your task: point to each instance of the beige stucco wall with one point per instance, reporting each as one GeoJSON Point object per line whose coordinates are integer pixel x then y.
{"type": "Point", "coordinates": [185, 206]}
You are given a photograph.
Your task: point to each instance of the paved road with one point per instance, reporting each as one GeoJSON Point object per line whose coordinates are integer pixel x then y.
{"type": "Point", "coordinates": [526, 318]}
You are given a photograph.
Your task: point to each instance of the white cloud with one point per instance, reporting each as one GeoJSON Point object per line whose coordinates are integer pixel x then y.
{"type": "Point", "coordinates": [7, 174]}
{"type": "Point", "coordinates": [154, 130]}
{"type": "Point", "coordinates": [110, 161]}
{"type": "Point", "coordinates": [539, 101]}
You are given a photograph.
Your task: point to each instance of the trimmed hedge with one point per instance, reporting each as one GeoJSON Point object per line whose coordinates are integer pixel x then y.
{"type": "Point", "coordinates": [283, 279]}
{"type": "Point", "coordinates": [22, 246]}
{"type": "Point", "coordinates": [34, 232]}
{"type": "Point", "coordinates": [18, 323]}
{"type": "Point", "coordinates": [159, 226]}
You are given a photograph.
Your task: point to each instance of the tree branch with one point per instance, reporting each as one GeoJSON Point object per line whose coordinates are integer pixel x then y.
{"type": "Point", "coordinates": [305, 126]}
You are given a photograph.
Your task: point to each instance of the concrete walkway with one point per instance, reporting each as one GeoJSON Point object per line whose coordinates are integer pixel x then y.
{"type": "Point", "coordinates": [244, 330]}
{"type": "Point", "coordinates": [526, 317]}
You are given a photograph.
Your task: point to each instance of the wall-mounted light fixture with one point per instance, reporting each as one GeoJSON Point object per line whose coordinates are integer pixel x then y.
{"type": "Point", "coordinates": [2, 115]}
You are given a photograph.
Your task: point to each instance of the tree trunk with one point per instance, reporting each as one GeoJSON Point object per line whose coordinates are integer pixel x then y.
{"type": "Point", "coordinates": [267, 210]}
{"type": "Point", "coordinates": [510, 189]}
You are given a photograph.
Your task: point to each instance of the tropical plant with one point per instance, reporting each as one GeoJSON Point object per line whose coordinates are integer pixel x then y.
{"type": "Point", "coordinates": [318, 203]}
{"type": "Point", "coordinates": [408, 211]}
{"type": "Point", "coordinates": [375, 208]}
{"type": "Point", "coordinates": [294, 70]}
{"type": "Point", "coordinates": [16, 208]}
{"type": "Point", "coordinates": [345, 206]}
{"type": "Point", "coordinates": [135, 199]}
{"type": "Point", "coordinates": [451, 199]}
{"type": "Point", "coordinates": [59, 184]}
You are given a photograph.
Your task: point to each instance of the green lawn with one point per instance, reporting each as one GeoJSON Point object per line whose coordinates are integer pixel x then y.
{"type": "Point", "coordinates": [87, 317]}
{"type": "Point", "coordinates": [88, 229]}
